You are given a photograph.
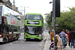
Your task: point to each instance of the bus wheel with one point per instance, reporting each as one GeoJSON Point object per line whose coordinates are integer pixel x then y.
{"type": "Point", "coordinates": [4, 40]}
{"type": "Point", "coordinates": [27, 39]}
{"type": "Point", "coordinates": [17, 37]}
{"type": "Point", "coordinates": [7, 39]}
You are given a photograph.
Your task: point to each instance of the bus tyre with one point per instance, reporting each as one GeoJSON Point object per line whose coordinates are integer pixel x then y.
{"type": "Point", "coordinates": [7, 39]}
{"type": "Point", "coordinates": [41, 39]}
{"type": "Point", "coordinates": [4, 40]}
{"type": "Point", "coordinates": [17, 37]}
{"type": "Point", "coordinates": [27, 39]}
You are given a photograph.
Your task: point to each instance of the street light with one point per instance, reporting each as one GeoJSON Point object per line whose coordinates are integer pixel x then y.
{"type": "Point", "coordinates": [50, 2]}
{"type": "Point", "coordinates": [53, 19]}
{"type": "Point", "coordinates": [13, 4]}
{"type": "Point", "coordinates": [24, 14]}
{"type": "Point", "coordinates": [24, 10]}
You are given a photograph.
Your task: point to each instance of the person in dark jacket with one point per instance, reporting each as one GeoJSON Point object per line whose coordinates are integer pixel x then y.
{"type": "Point", "coordinates": [72, 36]}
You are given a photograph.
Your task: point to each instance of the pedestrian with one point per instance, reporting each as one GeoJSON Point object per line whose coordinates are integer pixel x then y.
{"type": "Point", "coordinates": [62, 36]}
{"type": "Point", "coordinates": [66, 39]}
{"type": "Point", "coordinates": [56, 32]}
{"type": "Point", "coordinates": [52, 40]}
{"type": "Point", "coordinates": [49, 31]}
{"type": "Point", "coordinates": [72, 36]}
{"type": "Point", "coordinates": [52, 35]}
{"type": "Point", "coordinates": [69, 39]}
{"type": "Point", "coordinates": [58, 41]}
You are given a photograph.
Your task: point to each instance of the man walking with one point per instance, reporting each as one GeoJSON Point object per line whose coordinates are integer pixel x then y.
{"type": "Point", "coordinates": [72, 36]}
{"type": "Point", "coordinates": [62, 36]}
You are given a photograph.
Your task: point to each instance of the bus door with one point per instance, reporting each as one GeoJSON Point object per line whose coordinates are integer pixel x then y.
{"type": "Point", "coordinates": [6, 34]}
{"type": "Point", "coordinates": [1, 31]}
{"type": "Point", "coordinates": [11, 31]}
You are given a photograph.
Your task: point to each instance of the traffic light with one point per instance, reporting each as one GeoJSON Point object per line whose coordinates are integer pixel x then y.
{"type": "Point", "coordinates": [57, 8]}
{"type": "Point", "coordinates": [51, 15]}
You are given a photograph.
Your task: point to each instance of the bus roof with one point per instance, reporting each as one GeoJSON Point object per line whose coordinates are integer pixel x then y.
{"type": "Point", "coordinates": [33, 14]}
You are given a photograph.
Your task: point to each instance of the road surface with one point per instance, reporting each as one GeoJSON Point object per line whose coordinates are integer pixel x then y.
{"type": "Point", "coordinates": [22, 44]}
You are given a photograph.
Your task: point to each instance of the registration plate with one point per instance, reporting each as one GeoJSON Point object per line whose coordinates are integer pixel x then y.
{"type": "Point", "coordinates": [31, 38]}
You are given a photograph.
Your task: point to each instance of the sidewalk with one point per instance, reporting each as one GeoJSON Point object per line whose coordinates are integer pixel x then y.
{"type": "Point", "coordinates": [68, 48]}
{"type": "Point", "coordinates": [48, 42]}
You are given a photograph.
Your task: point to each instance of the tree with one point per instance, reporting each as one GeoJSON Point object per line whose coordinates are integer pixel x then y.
{"type": "Point", "coordinates": [65, 21]}
{"type": "Point", "coordinates": [48, 19]}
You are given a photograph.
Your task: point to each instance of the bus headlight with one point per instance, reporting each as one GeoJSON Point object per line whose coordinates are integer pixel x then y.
{"type": "Point", "coordinates": [0, 35]}
{"type": "Point", "coordinates": [26, 35]}
{"type": "Point", "coordinates": [39, 34]}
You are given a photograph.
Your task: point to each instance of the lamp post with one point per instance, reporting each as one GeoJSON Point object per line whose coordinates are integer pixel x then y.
{"type": "Point", "coordinates": [13, 4]}
{"type": "Point", "coordinates": [24, 10]}
{"type": "Point", "coordinates": [51, 16]}
{"type": "Point", "coordinates": [53, 20]}
{"type": "Point", "coordinates": [24, 15]}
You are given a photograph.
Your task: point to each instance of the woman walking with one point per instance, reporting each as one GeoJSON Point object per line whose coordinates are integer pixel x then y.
{"type": "Point", "coordinates": [59, 42]}
{"type": "Point", "coordinates": [52, 35]}
{"type": "Point", "coordinates": [69, 39]}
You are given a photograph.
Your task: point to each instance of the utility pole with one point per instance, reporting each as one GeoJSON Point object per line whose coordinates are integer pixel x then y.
{"type": "Point", "coordinates": [24, 18]}
{"type": "Point", "coordinates": [55, 13]}
{"type": "Point", "coordinates": [13, 4]}
{"type": "Point", "coordinates": [24, 13]}
{"type": "Point", "coordinates": [53, 21]}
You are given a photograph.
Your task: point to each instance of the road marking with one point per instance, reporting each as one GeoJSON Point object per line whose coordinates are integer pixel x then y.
{"type": "Point", "coordinates": [42, 43]}
{"type": "Point", "coordinates": [46, 36]}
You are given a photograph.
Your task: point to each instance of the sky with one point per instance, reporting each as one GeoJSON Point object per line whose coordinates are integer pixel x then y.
{"type": "Point", "coordinates": [41, 6]}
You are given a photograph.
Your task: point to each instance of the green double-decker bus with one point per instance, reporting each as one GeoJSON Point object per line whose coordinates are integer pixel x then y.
{"type": "Point", "coordinates": [33, 27]}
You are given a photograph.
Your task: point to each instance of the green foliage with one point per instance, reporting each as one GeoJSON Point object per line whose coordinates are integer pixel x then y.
{"type": "Point", "coordinates": [48, 19]}
{"type": "Point", "coordinates": [65, 21]}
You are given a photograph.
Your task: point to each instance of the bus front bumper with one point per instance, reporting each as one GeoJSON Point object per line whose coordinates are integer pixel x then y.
{"type": "Point", "coordinates": [33, 37]}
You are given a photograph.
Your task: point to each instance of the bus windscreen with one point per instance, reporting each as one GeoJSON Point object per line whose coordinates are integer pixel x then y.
{"type": "Point", "coordinates": [33, 17]}
{"type": "Point", "coordinates": [33, 30]}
